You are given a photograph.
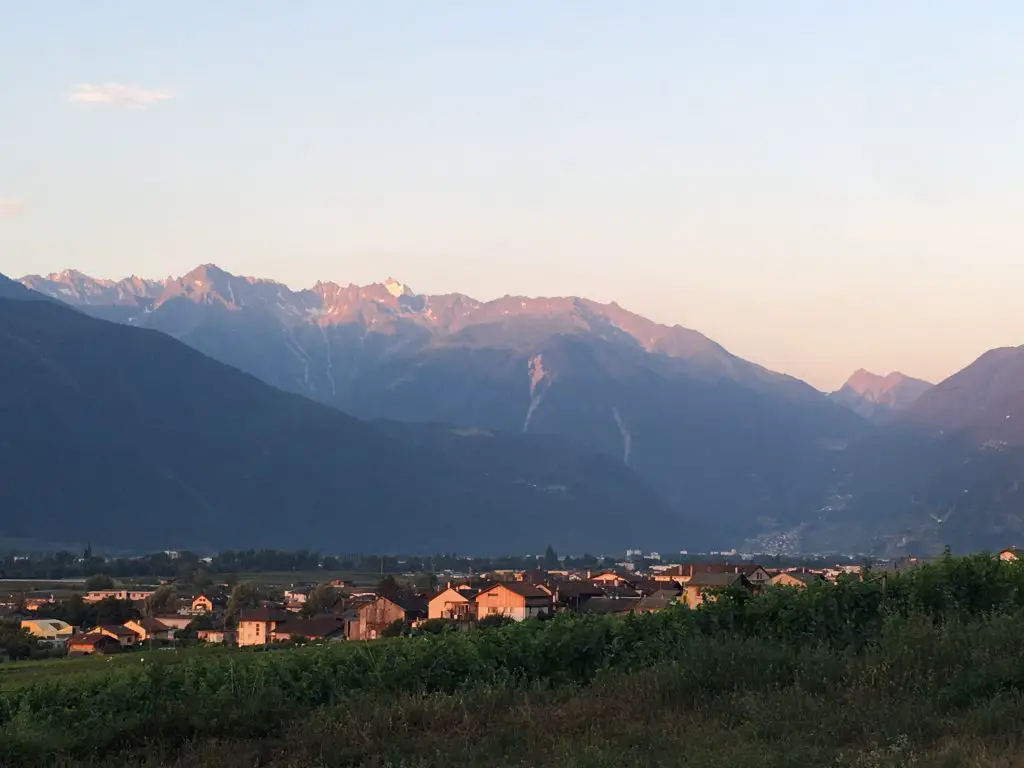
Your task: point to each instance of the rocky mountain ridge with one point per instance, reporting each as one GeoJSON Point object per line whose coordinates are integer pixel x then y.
{"type": "Point", "coordinates": [733, 446]}
{"type": "Point", "coordinates": [879, 397]}
{"type": "Point", "coordinates": [129, 438]}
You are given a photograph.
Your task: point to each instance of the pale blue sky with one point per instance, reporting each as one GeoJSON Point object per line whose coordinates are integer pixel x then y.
{"type": "Point", "coordinates": [817, 185]}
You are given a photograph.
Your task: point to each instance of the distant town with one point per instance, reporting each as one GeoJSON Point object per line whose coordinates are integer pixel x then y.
{"type": "Point", "coordinates": [172, 600]}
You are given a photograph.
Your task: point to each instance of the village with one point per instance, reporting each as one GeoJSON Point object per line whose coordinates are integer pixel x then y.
{"type": "Point", "coordinates": [250, 616]}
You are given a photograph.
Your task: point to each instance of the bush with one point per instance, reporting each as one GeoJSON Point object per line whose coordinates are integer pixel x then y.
{"type": "Point", "coordinates": [396, 628]}
{"type": "Point", "coordinates": [494, 621]}
{"type": "Point", "coordinates": [435, 627]}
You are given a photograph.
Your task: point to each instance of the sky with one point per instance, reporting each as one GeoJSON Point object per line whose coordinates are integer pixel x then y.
{"type": "Point", "coordinates": [818, 186]}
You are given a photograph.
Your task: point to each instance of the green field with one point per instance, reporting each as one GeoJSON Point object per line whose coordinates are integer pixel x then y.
{"type": "Point", "coordinates": [924, 669]}
{"type": "Point", "coordinates": [16, 674]}
{"type": "Point", "coordinates": [284, 579]}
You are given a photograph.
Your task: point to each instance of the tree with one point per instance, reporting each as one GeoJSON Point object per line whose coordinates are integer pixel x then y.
{"type": "Point", "coordinates": [389, 588]}
{"type": "Point", "coordinates": [191, 632]}
{"type": "Point", "coordinates": [161, 601]}
{"type": "Point", "coordinates": [550, 557]}
{"type": "Point", "coordinates": [16, 642]}
{"type": "Point", "coordinates": [396, 628]}
{"type": "Point", "coordinates": [99, 581]}
{"type": "Point", "coordinates": [321, 599]}
{"type": "Point", "coordinates": [114, 611]}
{"type": "Point", "coordinates": [245, 595]}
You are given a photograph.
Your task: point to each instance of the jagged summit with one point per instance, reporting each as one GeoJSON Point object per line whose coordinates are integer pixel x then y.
{"type": "Point", "coordinates": [878, 397]}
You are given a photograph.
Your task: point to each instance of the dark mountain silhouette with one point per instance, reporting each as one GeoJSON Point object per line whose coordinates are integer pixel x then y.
{"type": "Point", "coordinates": [736, 448]}
{"type": "Point", "coordinates": [126, 437]}
{"type": "Point", "coordinates": [9, 289]}
{"type": "Point", "coordinates": [878, 398]}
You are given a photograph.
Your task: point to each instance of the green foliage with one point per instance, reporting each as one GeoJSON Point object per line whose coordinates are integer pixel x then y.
{"type": "Point", "coordinates": [99, 581]}
{"type": "Point", "coordinates": [163, 600]}
{"type": "Point", "coordinates": [321, 599]}
{"type": "Point", "coordinates": [245, 595]}
{"type": "Point", "coordinates": [396, 628]}
{"type": "Point", "coordinates": [948, 632]}
{"type": "Point", "coordinates": [388, 587]}
{"type": "Point", "coordinates": [494, 621]}
{"type": "Point", "coordinates": [435, 627]}
{"type": "Point", "coordinates": [15, 642]}
{"type": "Point", "coordinates": [114, 611]}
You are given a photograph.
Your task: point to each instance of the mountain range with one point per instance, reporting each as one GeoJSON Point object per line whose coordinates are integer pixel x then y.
{"type": "Point", "coordinates": [127, 437]}
{"type": "Point", "coordinates": [738, 453]}
{"type": "Point", "coordinates": [727, 443]}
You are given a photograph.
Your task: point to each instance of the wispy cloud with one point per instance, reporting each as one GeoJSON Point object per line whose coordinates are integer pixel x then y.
{"type": "Point", "coordinates": [118, 94]}
{"type": "Point", "coordinates": [10, 207]}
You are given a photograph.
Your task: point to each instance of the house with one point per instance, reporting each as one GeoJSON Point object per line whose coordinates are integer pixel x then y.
{"type": "Point", "coordinates": [657, 601]}
{"type": "Point", "coordinates": [202, 605]}
{"type": "Point", "coordinates": [796, 579]}
{"type": "Point", "coordinates": [174, 621]}
{"type": "Point", "coordinates": [368, 620]}
{"type": "Point", "coordinates": [611, 579]}
{"type": "Point", "coordinates": [296, 597]}
{"type": "Point", "coordinates": [150, 628]}
{"type": "Point", "coordinates": [92, 642]}
{"type": "Point", "coordinates": [672, 573]}
{"type": "Point", "coordinates": [327, 627]}
{"type": "Point", "coordinates": [256, 626]}
{"type": "Point", "coordinates": [756, 575]}
{"type": "Point", "coordinates": [700, 588]}
{"type": "Point", "coordinates": [49, 630]}
{"type": "Point", "coordinates": [99, 595]}
{"type": "Point", "coordinates": [36, 600]}
{"type": "Point", "coordinates": [1010, 554]}
{"type": "Point", "coordinates": [455, 603]}
{"type": "Point", "coordinates": [516, 600]}
{"type": "Point", "coordinates": [126, 637]}
{"type": "Point", "coordinates": [610, 606]}
{"type": "Point", "coordinates": [572, 595]}
{"type": "Point", "coordinates": [217, 636]}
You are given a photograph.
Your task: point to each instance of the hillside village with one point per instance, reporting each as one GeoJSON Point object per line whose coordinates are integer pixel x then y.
{"type": "Point", "coordinates": [251, 616]}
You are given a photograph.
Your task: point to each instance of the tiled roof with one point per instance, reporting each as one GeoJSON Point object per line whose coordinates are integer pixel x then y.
{"type": "Point", "coordinates": [714, 579]}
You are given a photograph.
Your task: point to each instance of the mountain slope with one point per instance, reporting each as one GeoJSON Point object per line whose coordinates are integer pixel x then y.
{"type": "Point", "coordinates": [735, 447]}
{"type": "Point", "coordinates": [879, 397]}
{"type": "Point", "coordinates": [127, 437]}
{"type": "Point", "coordinates": [9, 289]}
{"type": "Point", "coordinates": [947, 470]}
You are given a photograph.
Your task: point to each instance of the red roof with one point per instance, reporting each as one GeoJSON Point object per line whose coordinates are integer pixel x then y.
{"type": "Point", "coordinates": [89, 638]}
{"type": "Point", "coordinates": [117, 629]}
